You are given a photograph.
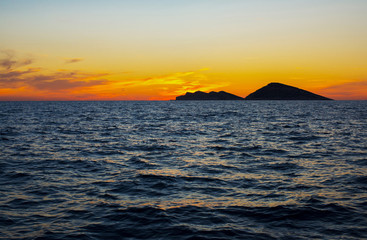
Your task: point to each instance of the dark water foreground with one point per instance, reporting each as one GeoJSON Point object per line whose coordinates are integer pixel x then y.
{"type": "Point", "coordinates": [183, 170]}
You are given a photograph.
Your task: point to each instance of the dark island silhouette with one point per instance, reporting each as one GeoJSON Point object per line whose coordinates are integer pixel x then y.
{"type": "Point", "coordinates": [272, 91]}
{"type": "Point", "coordinates": [279, 91]}
{"type": "Point", "coordinates": [209, 96]}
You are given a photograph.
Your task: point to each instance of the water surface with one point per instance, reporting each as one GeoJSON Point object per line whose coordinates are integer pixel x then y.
{"type": "Point", "coordinates": [186, 170]}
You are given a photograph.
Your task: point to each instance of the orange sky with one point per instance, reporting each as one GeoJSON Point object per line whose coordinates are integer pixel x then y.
{"type": "Point", "coordinates": [140, 50]}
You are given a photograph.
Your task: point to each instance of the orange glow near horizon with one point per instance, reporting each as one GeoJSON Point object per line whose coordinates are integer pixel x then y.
{"type": "Point", "coordinates": [35, 83]}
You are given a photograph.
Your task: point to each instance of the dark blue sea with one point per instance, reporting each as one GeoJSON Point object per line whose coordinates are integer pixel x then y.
{"type": "Point", "coordinates": [183, 170]}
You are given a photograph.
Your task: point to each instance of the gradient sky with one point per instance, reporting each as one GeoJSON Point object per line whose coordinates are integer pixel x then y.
{"type": "Point", "coordinates": [156, 50]}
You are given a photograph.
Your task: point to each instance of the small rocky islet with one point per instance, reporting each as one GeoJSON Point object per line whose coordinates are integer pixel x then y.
{"type": "Point", "coordinates": [199, 95]}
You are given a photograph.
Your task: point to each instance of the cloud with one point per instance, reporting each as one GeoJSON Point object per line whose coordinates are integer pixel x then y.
{"type": "Point", "coordinates": [73, 60]}
{"type": "Point", "coordinates": [170, 85]}
{"type": "Point", "coordinates": [66, 80]}
{"type": "Point", "coordinates": [171, 79]}
{"type": "Point", "coordinates": [57, 85]}
{"type": "Point", "coordinates": [347, 90]}
{"type": "Point", "coordinates": [190, 78]}
{"type": "Point", "coordinates": [13, 75]}
{"type": "Point", "coordinates": [9, 61]}
{"type": "Point", "coordinates": [54, 81]}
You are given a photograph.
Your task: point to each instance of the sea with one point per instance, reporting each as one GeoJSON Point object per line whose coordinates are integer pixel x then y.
{"type": "Point", "coordinates": [183, 170]}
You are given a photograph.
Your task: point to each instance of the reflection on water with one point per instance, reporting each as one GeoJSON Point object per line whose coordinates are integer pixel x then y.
{"type": "Point", "coordinates": [153, 170]}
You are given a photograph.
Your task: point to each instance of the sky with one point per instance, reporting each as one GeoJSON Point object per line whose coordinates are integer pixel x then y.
{"type": "Point", "coordinates": [159, 49]}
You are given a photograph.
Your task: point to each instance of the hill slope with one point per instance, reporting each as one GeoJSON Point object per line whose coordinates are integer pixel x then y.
{"type": "Point", "coordinates": [279, 91]}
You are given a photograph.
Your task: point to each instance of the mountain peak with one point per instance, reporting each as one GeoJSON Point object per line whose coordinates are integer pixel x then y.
{"type": "Point", "coordinates": [279, 91]}
{"type": "Point", "coordinates": [273, 84]}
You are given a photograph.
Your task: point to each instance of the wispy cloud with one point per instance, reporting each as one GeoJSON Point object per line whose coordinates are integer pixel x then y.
{"type": "Point", "coordinates": [347, 90]}
{"type": "Point", "coordinates": [54, 81]}
{"type": "Point", "coordinates": [177, 83]}
{"type": "Point", "coordinates": [10, 61]}
{"type": "Point", "coordinates": [13, 75]}
{"type": "Point", "coordinates": [73, 60]}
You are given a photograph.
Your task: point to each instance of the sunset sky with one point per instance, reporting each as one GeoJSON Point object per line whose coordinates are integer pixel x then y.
{"type": "Point", "coordinates": [156, 50]}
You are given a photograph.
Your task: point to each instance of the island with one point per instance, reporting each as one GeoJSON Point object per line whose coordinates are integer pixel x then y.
{"type": "Point", "coordinates": [279, 91]}
{"type": "Point", "coordinates": [198, 95]}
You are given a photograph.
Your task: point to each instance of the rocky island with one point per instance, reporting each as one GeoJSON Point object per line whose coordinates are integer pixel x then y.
{"type": "Point", "coordinates": [209, 96]}
{"type": "Point", "coordinates": [279, 91]}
